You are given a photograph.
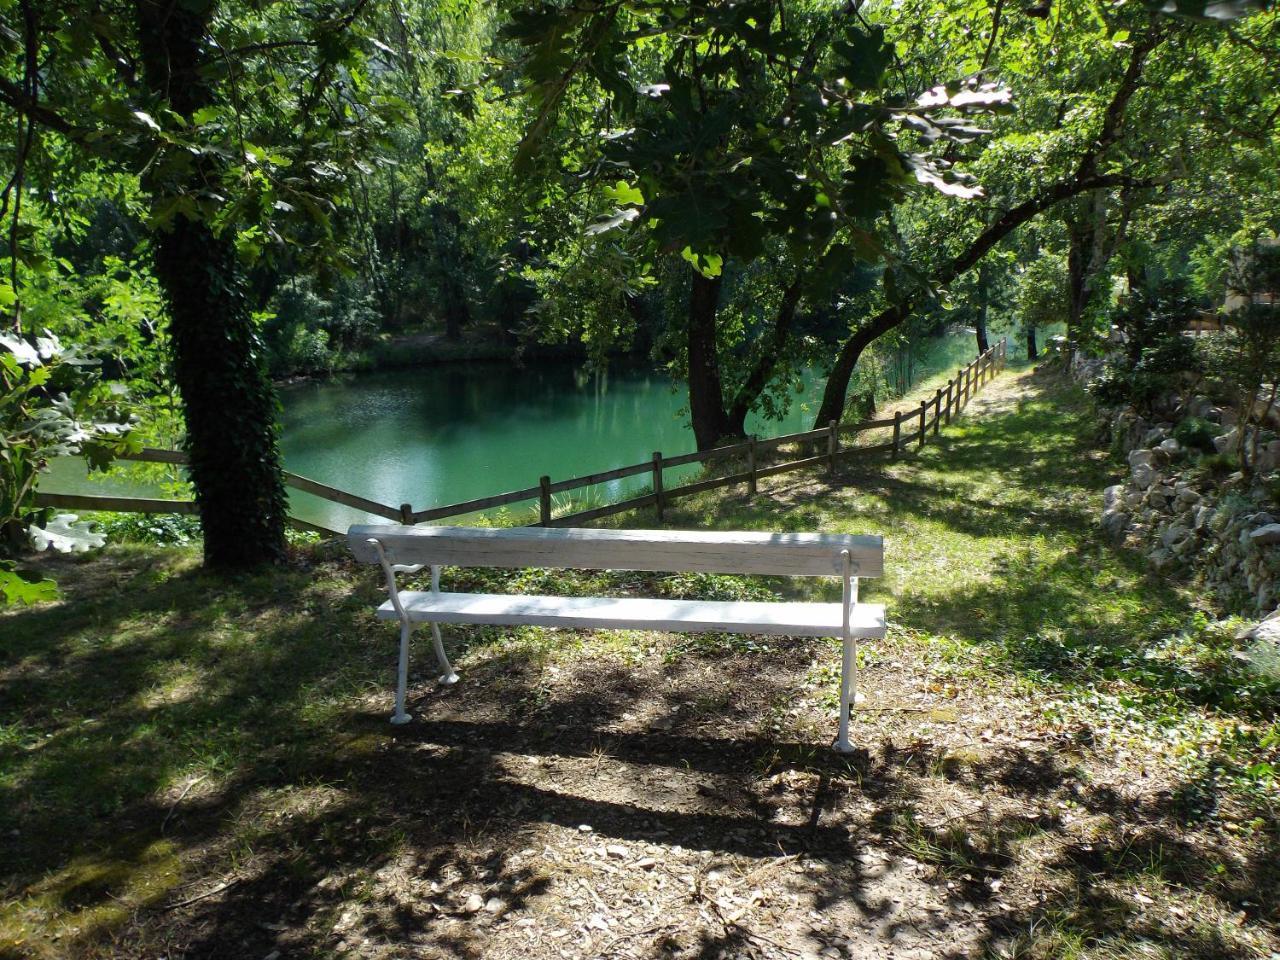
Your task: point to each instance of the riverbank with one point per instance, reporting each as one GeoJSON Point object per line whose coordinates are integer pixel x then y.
{"type": "Point", "coordinates": [433, 349]}
{"type": "Point", "coordinates": [1063, 754]}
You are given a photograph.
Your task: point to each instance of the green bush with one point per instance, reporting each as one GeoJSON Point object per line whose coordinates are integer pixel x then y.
{"type": "Point", "coordinates": [1196, 434]}
{"type": "Point", "coordinates": [158, 528]}
{"type": "Point", "coordinates": [1157, 357]}
{"type": "Point", "coordinates": [1218, 464]}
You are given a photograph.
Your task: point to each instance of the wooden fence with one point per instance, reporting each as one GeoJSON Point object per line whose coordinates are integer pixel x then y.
{"type": "Point", "coordinates": [754, 456]}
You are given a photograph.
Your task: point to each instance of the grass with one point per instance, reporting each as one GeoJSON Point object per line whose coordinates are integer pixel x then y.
{"type": "Point", "coordinates": [163, 732]}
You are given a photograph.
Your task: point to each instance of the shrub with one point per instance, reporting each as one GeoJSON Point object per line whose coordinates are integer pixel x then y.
{"type": "Point", "coordinates": [1157, 358]}
{"type": "Point", "coordinates": [158, 528]}
{"type": "Point", "coordinates": [1196, 433]}
{"type": "Point", "coordinates": [1218, 464]}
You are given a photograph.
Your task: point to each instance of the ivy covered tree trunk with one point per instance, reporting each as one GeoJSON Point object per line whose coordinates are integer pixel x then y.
{"type": "Point", "coordinates": [706, 395]}
{"type": "Point", "coordinates": [228, 402]}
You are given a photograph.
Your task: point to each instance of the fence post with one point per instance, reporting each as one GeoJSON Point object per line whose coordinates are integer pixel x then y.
{"type": "Point", "coordinates": [657, 483]}
{"type": "Point", "coordinates": [544, 501]}
{"type": "Point", "coordinates": [751, 465]}
{"type": "Point", "coordinates": [924, 415]}
{"type": "Point", "coordinates": [406, 514]}
{"type": "Point", "coordinates": [833, 444]}
{"type": "Point", "coordinates": [951, 384]}
{"type": "Point", "coordinates": [897, 432]}
{"type": "Point", "coordinates": [968, 382]}
{"type": "Point", "coordinates": [937, 413]}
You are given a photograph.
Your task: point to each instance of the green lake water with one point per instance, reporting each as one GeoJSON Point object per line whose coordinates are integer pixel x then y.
{"type": "Point", "coordinates": [436, 435]}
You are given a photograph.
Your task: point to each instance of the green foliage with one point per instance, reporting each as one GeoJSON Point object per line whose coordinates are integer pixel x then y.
{"type": "Point", "coordinates": [1245, 357]}
{"type": "Point", "coordinates": [160, 529]}
{"type": "Point", "coordinates": [1196, 434]}
{"type": "Point", "coordinates": [1156, 357]}
{"type": "Point", "coordinates": [1218, 464]}
{"type": "Point", "coordinates": [23, 586]}
{"type": "Point", "coordinates": [718, 157]}
{"type": "Point", "coordinates": [52, 404]}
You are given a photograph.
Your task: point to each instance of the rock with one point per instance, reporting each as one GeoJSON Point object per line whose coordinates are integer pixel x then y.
{"type": "Point", "coordinates": [1200, 407]}
{"type": "Point", "coordinates": [617, 851]}
{"type": "Point", "coordinates": [1226, 441]}
{"type": "Point", "coordinates": [1260, 519]}
{"type": "Point", "coordinates": [474, 904]}
{"type": "Point", "coordinates": [1170, 446]}
{"type": "Point", "coordinates": [1140, 456]}
{"type": "Point", "coordinates": [1153, 436]}
{"type": "Point", "coordinates": [1133, 499]}
{"type": "Point", "coordinates": [1111, 496]}
{"type": "Point", "coordinates": [1174, 534]}
{"type": "Point", "coordinates": [1266, 535]}
{"type": "Point", "coordinates": [493, 905]}
{"type": "Point", "coordinates": [1114, 523]}
{"type": "Point", "coordinates": [1268, 458]}
{"type": "Point", "coordinates": [1144, 475]}
{"type": "Point", "coordinates": [1203, 517]}
{"type": "Point", "coordinates": [646, 863]}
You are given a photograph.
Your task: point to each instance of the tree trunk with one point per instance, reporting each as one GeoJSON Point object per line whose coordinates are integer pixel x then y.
{"type": "Point", "coordinates": [706, 398]}
{"type": "Point", "coordinates": [1032, 350]}
{"type": "Point", "coordinates": [228, 401]}
{"type": "Point", "coordinates": [1077, 283]}
{"type": "Point", "coordinates": [833, 397]}
{"type": "Point", "coordinates": [980, 327]}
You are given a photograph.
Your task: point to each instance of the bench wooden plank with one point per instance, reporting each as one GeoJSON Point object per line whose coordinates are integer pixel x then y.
{"type": "Point", "coordinates": [670, 551]}
{"type": "Point", "coordinates": [636, 613]}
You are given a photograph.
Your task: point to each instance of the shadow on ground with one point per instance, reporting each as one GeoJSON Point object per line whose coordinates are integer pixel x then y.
{"type": "Point", "coordinates": [196, 768]}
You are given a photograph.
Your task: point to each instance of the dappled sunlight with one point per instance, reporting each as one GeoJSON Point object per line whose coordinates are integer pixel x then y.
{"type": "Point", "coordinates": [1053, 753]}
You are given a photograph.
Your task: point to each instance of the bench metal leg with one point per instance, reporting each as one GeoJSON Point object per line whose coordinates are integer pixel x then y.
{"type": "Point", "coordinates": [447, 677]}
{"type": "Point", "coordinates": [848, 692]}
{"type": "Point", "coordinates": [849, 656]}
{"type": "Point", "coordinates": [402, 677]}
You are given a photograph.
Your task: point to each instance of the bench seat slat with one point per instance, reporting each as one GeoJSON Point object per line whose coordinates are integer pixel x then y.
{"type": "Point", "coordinates": [701, 551]}
{"type": "Point", "coordinates": [633, 613]}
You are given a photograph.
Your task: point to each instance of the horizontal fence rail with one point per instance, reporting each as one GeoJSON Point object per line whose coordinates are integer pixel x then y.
{"type": "Point", "coordinates": [912, 426]}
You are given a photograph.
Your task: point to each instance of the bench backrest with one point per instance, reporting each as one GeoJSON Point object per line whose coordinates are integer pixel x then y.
{"type": "Point", "coordinates": [667, 551]}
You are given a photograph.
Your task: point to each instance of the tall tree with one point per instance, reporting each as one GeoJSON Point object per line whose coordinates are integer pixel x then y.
{"type": "Point", "coordinates": [228, 402]}
{"type": "Point", "coordinates": [1107, 105]}
{"type": "Point", "coordinates": [749, 128]}
{"type": "Point", "coordinates": [238, 121]}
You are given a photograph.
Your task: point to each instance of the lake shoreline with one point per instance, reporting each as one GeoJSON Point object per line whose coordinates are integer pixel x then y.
{"type": "Point", "coordinates": [412, 350]}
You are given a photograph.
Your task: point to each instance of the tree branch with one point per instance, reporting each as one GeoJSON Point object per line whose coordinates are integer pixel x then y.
{"type": "Point", "coordinates": [770, 353]}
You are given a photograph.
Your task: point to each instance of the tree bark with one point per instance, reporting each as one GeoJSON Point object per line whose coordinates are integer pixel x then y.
{"type": "Point", "coordinates": [228, 401]}
{"type": "Point", "coordinates": [1032, 350]}
{"type": "Point", "coordinates": [980, 327]}
{"type": "Point", "coordinates": [1077, 281]}
{"type": "Point", "coordinates": [706, 396]}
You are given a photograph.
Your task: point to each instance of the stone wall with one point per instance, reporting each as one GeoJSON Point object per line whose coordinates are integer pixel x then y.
{"type": "Point", "coordinates": [1219, 530]}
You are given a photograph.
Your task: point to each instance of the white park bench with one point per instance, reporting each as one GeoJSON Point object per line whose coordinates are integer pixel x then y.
{"type": "Point", "coordinates": [405, 549]}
